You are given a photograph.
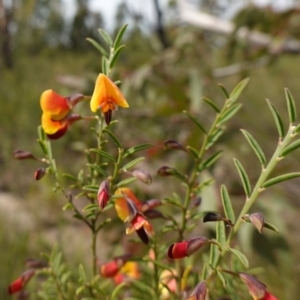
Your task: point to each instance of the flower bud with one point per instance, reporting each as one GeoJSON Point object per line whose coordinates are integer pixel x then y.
{"type": "Point", "coordinates": [20, 154]}
{"type": "Point", "coordinates": [19, 283]}
{"type": "Point", "coordinates": [172, 144]}
{"type": "Point", "coordinates": [150, 204]}
{"type": "Point", "coordinates": [39, 173]}
{"type": "Point", "coordinates": [257, 219]}
{"type": "Point", "coordinates": [256, 288]}
{"type": "Point", "coordinates": [32, 263]}
{"type": "Point", "coordinates": [103, 194]}
{"type": "Point", "coordinates": [165, 171]}
{"type": "Point", "coordinates": [143, 176]}
{"type": "Point", "coordinates": [199, 292]}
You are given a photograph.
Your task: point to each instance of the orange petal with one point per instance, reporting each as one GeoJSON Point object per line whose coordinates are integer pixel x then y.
{"type": "Point", "coordinates": [52, 127]}
{"type": "Point", "coordinates": [54, 105]}
{"type": "Point", "coordinates": [106, 95]}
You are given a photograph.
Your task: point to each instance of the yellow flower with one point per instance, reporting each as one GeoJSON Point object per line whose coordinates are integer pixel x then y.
{"type": "Point", "coordinates": [107, 97]}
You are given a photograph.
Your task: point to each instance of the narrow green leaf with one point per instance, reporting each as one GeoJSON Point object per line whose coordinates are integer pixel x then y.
{"type": "Point", "coordinates": [98, 46]}
{"type": "Point", "coordinates": [281, 178]}
{"type": "Point", "coordinates": [126, 181]}
{"type": "Point", "coordinates": [102, 153]}
{"type": "Point", "coordinates": [105, 65]}
{"type": "Point", "coordinates": [290, 148]}
{"type": "Point", "coordinates": [256, 148]}
{"type": "Point", "coordinates": [220, 233]}
{"type": "Point", "coordinates": [43, 146]}
{"type": "Point", "coordinates": [214, 137]}
{"type": "Point", "coordinates": [271, 227]}
{"type": "Point", "coordinates": [211, 104]}
{"type": "Point", "coordinates": [277, 119]}
{"type": "Point", "coordinates": [113, 137]}
{"type": "Point", "coordinates": [291, 106]}
{"type": "Point", "coordinates": [229, 213]}
{"type": "Point", "coordinates": [243, 176]}
{"type": "Point", "coordinates": [120, 36]}
{"type": "Point", "coordinates": [136, 149]}
{"type": "Point", "coordinates": [105, 36]}
{"type": "Point", "coordinates": [193, 151]}
{"type": "Point", "coordinates": [69, 176]}
{"type": "Point", "coordinates": [211, 160]}
{"type": "Point", "coordinates": [223, 89]}
{"type": "Point", "coordinates": [222, 278]}
{"type": "Point", "coordinates": [115, 56]}
{"type": "Point", "coordinates": [297, 129]}
{"type": "Point", "coordinates": [195, 121]}
{"type": "Point", "coordinates": [240, 256]}
{"type": "Point", "coordinates": [133, 163]}
{"type": "Point", "coordinates": [98, 169]}
{"type": "Point", "coordinates": [82, 274]}
{"type": "Point", "coordinates": [56, 262]}
{"type": "Point", "coordinates": [238, 90]}
{"type": "Point", "coordinates": [229, 113]}
{"type": "Point", "coordinates": [205, 270]}
{"type": "Point", "coordinates": [91, 188]}
{"type": "Point", "coordinates": [213, 255]}
{"type": "Point", "coordinates": [90, 207]}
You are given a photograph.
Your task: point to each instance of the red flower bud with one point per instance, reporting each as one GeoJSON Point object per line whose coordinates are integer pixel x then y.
{"type": "Point", "coordinates": [165, 171]}
{"type": "Point", "coordinates": [103, 194]}
{"type": "Point", "coordinates": [172, 144]}
{"type": "Point", "coordinates": [150, 204]}
{"type": "Point", "coordinates": [256, 288]}
{"type": "Point", "coordinates": [186, 248]}
{"type": "Point", "coordinates": [112, 268]}
{"type": "Point", "coordinates": [19, 283]}
{"type": "Point", "coordinates": [39, 173]}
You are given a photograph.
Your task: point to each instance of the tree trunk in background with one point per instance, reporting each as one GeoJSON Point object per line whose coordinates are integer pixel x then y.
{"type": "Point", "coordinates": [6, 17]}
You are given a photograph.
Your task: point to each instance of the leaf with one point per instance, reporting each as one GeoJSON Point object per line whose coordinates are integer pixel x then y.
{"type": "Point", "coordinates": [82, 274]}
{"type": "Point", "coordinates": [243, 176]}
{"type": "Point", "coordinates": [91, 188]}
{"type": "Point", "coordinates": [220, 233]}
{"type": "Point", "coordinates": [126, 181]}
{"type": "Point", "coordinates": [105, 36]}
{"type": "Point", "coordinates": [90, 208]}
{"type": "Point", "coordinates": [102, 153]}
{"type": "Point", "coordinates": [133, 163]}
{"type": "Point", "coordinates": [98, 169]}
{"type": "Point", "coordinates": [229, 213]}
{"type": "Point", "coordinates": [211, 104]}
{"type": "Point", "coordinates": [136, 149]}
{"type": "Point", "coordinates": [72, 177]}
{"type": "Point", "coordinates": [195, 121]}
{"type": "Point", "coordinates": [271, 227]}
{"type": "Point", "coordinates": [222, 278]}
{"type": "Point", "coordinates": [213, 138]}
{"type": "Point", "coordinates": [193, 151]}
{"type": "Point", "coordinates": [113, 137]}
{"type": "Point", "coordinates": [223, 89]}
{"type": "Point", "coordinates": [277, 119]}
{"type": "Point", "coordinates": [240, 256]}
{"type": "Point", "coordinates": [115, 56]}
{"type": "Point", "coordinates": [297, 129]}
{"type": "Point", "coordinates": [97, 46]}
{"type": "Point", "coordinates": [291, 106]}
{"type": "Point", "coordinates": [229, 113]}
{"type": "Point", "coordinates": [211, 160]}
{"type": "Point", "coordinates": [295, 145]}
{"type": "Point", "coordinates": [238, 90]}
{"type": "Point", "coordinates": [213, 255]}
{"type": "Point", "coordinates": [256, 148]}
{"type": "Point", "coordinates": [281, 178]}
{"type": "Point", "coordinates": [105, 65]}
{"type": "Point", "coordinates": [120, 36]}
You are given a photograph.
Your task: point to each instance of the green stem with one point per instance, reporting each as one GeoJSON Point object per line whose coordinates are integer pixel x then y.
{"type": "Point", "coordinates": [276, 158]}
{"type": "Point", "coordinates": [94, 249]}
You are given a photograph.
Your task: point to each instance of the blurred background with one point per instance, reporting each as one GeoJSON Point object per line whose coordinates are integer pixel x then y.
{"type": "Point", "coordinates": [176, 52]}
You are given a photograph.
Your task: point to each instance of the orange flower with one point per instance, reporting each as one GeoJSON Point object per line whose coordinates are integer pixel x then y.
{"type": "Point", "coordinates": [107, 96]}
{"type": "Point", "coordinates": [129, 209]}
{"type": "Point", "coordinates": [128, 272]}
{"type": "Point", "coordinates": [56, 129]}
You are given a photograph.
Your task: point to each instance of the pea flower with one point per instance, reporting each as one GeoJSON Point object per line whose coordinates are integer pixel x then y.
{"type": "Point", "coordinates": [128, 272]}
{"type": "Point", "coordinates": [199, 292]}
{"type": "Point", "coordinates": [57, 107]}
{"type": "Point", "coordinates": [103, 194]}
{"type": "Point", "coordinates": [129, 209]}
{"type": "Point", "coordinates": [107, 97]}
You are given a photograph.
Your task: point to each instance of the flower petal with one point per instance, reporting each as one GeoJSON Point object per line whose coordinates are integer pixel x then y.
{"type": "Point", "coordinates": [54, 105]}
{"type": "Point", "coordinates": [51, 127]}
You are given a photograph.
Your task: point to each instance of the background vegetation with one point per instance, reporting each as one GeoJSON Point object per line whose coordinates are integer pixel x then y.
{"type": "Point", "coordinates": [167, 67]}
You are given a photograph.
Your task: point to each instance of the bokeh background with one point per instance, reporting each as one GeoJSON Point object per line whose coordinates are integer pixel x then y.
{"type": "Point", "coordinates": [175, 54]}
